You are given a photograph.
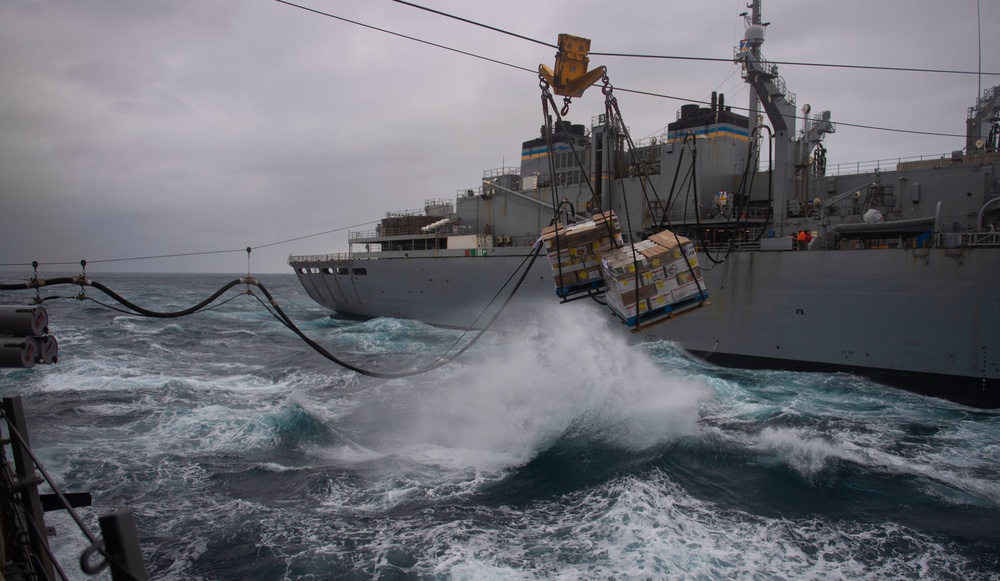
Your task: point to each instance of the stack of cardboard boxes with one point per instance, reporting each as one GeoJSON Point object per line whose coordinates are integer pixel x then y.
{"type": "Point", "coordinates": [575, 252]}
{"type": "Point", "coordinates": [652, 277]}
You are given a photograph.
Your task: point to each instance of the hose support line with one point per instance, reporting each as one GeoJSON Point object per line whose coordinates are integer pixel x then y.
{"type": "Point", "coordinates": [279, 314]}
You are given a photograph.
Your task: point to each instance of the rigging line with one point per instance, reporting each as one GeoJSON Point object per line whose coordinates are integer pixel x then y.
{"type": "Point", "coordinates": [696, 58]}
{"type": "Point", "coordinates": [64, 263]}
{"type": "Point", "coordinates": [641, 165]}
{"type": "Point", "coordinates": [844, 123]}
{"type": "Point", "coordinates": [427, 42]}
{"type": "Point", "coordinates": [207, 252]}
{"type": "Point", "coordinates": [530, 260]}
{"type": "Point", "coordinates": [473, 22]}
{"type": "Point", "coordinates": [553, 178]}
{"type": "Point", "coordinates": [794, 63]}
{"type": "Point", "coordinates": [531, 255]}
{"type": "Point", "coordinates": [158, 256]}
{"type": "Point", "coordinates": [534, 71]}
{"type": "Point", "coordinates": [610, 121]}
{"type": "Point", "coordinates": [201, 253]}
{"type": "Point", "coordinates": [314, 235]}
{"type": "Point", "coordinates": [979, 43]}
{"type": "Point", "coordinates": [569, 140]}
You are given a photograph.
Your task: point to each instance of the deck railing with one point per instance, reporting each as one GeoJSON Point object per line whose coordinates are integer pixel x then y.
{"type": "Point", "coordinates": [890, 164]}
{"type": "Point", "coordinates": [869, 166]}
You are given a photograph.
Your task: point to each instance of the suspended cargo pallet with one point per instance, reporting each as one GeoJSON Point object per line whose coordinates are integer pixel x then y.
{"type": "Point", "coordinates": [654, 279]}
{"type": "Point", "coordinates": [575, 252]}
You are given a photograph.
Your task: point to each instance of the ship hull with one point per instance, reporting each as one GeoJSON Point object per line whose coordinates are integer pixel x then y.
{"type": "Point", "coordinates": [925, 320]}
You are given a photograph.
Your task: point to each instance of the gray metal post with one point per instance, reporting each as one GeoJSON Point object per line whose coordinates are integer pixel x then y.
{"type": "Point", "coordinates": [28, 480]}
{"type": "Point", "coordinates": [121, 541]}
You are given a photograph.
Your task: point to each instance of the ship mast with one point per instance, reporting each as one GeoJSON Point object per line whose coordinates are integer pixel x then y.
{"type": "Point", "coordinates": [753, 20]}
{"type": "Point", "coordinates": [779, 104]}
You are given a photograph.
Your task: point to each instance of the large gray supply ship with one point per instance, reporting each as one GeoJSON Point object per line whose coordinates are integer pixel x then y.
{"type": "Point", "coordinates": [898, 282]}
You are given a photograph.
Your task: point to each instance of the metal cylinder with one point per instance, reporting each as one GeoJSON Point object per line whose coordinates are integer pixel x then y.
{"type": "Point", "coordinates": [23, 321]}
{"type": "Point", "coordinates": [48, 349]}
{"type": "Point", "coordinates": [18, 352]}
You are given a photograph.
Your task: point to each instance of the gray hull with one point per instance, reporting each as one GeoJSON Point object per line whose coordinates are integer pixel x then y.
{"type": "Point", "coordinates": [925, 320]}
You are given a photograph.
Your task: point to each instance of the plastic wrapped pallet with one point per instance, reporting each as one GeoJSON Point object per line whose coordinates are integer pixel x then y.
{"type": "Point", "coordinates": [652, 278]}
{"type": "Point", "coordinates": [575, 252]}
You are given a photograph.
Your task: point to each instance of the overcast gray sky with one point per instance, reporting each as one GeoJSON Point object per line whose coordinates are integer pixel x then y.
{"type": "Point", "coordinates": [160, 127]}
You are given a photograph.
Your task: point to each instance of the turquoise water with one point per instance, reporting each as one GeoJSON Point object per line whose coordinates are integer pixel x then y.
{"type": "Point", "coordinates": [551, 449]}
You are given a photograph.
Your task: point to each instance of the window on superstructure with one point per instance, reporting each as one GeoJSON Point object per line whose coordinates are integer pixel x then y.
{"type": "Point", "coordinates": [359, 271]}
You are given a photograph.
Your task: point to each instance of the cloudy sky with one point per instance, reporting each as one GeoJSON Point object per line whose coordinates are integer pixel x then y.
{"type": "Point", "coordinates": [132, 129]}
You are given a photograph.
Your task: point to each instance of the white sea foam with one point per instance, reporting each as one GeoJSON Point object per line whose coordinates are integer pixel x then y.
{"type": "Point", "coordinates": [651, 527]}
{"type": "Point", "coordinates": [804, 451]}
{"type": "Point", "coordinates": [552, 375]}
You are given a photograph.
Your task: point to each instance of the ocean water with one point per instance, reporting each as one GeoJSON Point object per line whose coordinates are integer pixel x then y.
{"type": "Point", "coordinates": [552, 449]}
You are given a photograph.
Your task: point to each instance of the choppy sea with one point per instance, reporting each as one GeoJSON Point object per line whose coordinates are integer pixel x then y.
{"type": "Point", "coordinates": [552, 449]}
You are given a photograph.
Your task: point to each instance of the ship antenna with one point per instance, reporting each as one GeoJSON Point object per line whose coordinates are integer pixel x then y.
{"type": "Point", "coordinates": [979, 29]}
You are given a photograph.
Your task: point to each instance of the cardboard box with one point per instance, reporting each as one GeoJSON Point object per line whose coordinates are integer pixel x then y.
{"type": "Point", "coordinates": [575, 277]}
{"type": "Point", "coordinates": [628, 311]}
{"type": "Point", "coordinates": [575, 251]}
{"type": "Point", "coordinates": [669, 240]}
{"type": "Point", "coordinates": [660, 301]}
{"type": "Point", "coordinates": [627, 297]}
{"type": "Point", "coordinates": [586, 232]}
{"type": "Point", "coordinates": [687, 291]}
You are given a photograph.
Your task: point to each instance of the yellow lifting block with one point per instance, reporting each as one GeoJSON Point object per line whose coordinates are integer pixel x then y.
{"type": "Point", "coordinates": [571, 77]}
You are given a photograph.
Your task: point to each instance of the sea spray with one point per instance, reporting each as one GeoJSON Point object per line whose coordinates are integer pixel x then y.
{"type": "Point", "coordinates": [551, 374]}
